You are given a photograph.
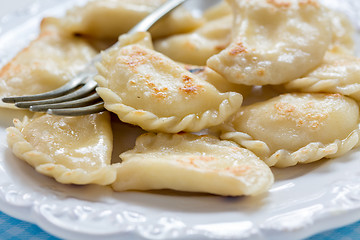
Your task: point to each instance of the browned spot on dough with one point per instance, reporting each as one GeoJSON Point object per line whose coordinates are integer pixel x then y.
{"type": "Point", "coordinates": [156, 91]}
{"type": "Point", "coordinates": [5, 71]}
{"type": "Point", "coordinates": [49, 168]}
{"type": "Point", "coordinates": [136, 56]}
{"type": "Point", "coordinates": [189, 87]}
{"type": "Point", "coordinates": [239, 48]}
{"type": "Point", "coordinates": [237, 170]}
{"type": "Point", "coordinates": [160, 92]}
{"type": "Point", "coordinates": [261, 72]}
{"type": "Point", "coordinates": [139, 113]}
{"type": "Point", "coordinates": [284, 108]}
{"type": "Point", "coordinates": [189, 45]}
{"type": "Point", "coordinates": [301, 117]}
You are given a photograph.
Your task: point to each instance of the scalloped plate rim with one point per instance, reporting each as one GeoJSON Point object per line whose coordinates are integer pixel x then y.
{"type": "Point", "coordinates": [35, 210]}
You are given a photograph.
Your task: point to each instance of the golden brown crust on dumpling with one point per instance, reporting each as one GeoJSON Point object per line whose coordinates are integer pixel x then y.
{"type": "Point", "coordinates": [188, 162]}
{"type": "Point", "coordinates": [146, 88]}
{"type": "Point", "coordinates": [296, 128]}
{"type": "Point", "coordinates": [273, 41]}
{"type": "Point", "coordinates": [46, 64]}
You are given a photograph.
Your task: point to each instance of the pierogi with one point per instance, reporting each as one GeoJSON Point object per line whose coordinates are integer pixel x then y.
{"type": "Point", "coordinates": [297, 45]}
{"type": "Point", "coordinates": [199, 45]}
{"type": "Point", "coordinates": [189, 162]}
{"type": "Point", "coordinates": [70, 149]}
{"type": "Point", "coordinates": [146, 88]}
{"type": "Point", "coordinates": [338, 73]}
{"type": "Point", "coordinates": [108, 19]}
{"type": "Point", "coordinates": [296, 128]}
{"type": "Point", "coordinates": [273, 41]}
{"type": "Point", "coordinates": [46, 64]}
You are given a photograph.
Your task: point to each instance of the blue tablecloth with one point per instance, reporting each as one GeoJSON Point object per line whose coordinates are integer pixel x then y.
{"type": "Point", "coordinates": [13, 229]}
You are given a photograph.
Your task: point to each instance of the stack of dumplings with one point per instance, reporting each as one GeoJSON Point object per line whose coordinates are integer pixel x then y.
{"type": "Point", "coordinates": [196, 87]}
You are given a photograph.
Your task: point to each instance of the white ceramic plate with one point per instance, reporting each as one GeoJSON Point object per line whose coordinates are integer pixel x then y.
{"type": "Point", "coordinates": [304, 200]}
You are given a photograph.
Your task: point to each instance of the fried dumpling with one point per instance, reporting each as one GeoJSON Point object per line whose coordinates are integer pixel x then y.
{"type": "Point", "coordinates": [145, 88]}
{"type": "Point", "coordinates": [296, 128]}
{"type": "Point", "coordinates": [108, 19]}
{"type": "Point", "coordinates": [199, 45]}
{"type": "Point", "coordinates": [188, 162]}
{"type": "Point", "coordinates": [46, 64]}
{"type": "Point", "coordinates": [273, 41]}
{"type": "Point", "coordinates": [338, 73]}
{"type": "Point", "coordinates": [70, 149]}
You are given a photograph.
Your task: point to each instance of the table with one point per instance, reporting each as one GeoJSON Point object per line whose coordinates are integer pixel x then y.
{"type": "Point", "coordinates": [14, 229]}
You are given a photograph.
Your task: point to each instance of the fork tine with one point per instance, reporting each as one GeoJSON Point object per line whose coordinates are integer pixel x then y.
{"type": "Point", "coordinates": [69, 104]}
{"type": "Point", "coordinates": [68, 87]}
{"type": "Point", "coordinates": [95, 108]}
{"type": "Point", "coordinates": [78, 93]}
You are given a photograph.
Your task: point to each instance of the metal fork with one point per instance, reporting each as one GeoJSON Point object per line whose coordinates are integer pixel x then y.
{"type": "Point", "coordinates": [78, 96]}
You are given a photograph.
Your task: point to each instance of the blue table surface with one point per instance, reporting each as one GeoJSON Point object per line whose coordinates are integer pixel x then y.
{"type": "Point", "coordinates": [14, 229]}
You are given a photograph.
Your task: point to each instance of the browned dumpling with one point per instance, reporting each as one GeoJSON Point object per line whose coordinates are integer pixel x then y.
{"type": "Point", "coordinates": [70, 149]}
{"type": "Point", "coordinates": [46, 64]}
{"type": "Point", "coordinates": [192, 163]}
{"type": "Point", "coordinates": [296, 128]}
{"type": "Point", "coordinates": [145, 88]}
{"type": "Point", "coordinates": [273, 41]}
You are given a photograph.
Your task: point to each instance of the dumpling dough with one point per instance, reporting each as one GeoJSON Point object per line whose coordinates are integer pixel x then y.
{"type": "Point", "coordinates": [70, 149]}
{"type": "Point", "coordinates": [339, 73]}
{"type": "Point", "coordinates": [217, 80]}
{"type": "Point", "coordinates": [108, 19]}
{"type": "Point", "coordinates": [188, 162]}
{"type": "Point", "coordinates": [296, 128]}
{"type": "Point", "coordinates": [196, 47]}
{"type": "Point", "coordinates": [274, 41]}
{"type": "Point", "coordinates": [145, 88]}
{"type": "Point", "coordinates": [217, 11]}
{"type": "Point", "coordinates": [46, 64]}
{"type": "Point", "coordinates": [343, 31]}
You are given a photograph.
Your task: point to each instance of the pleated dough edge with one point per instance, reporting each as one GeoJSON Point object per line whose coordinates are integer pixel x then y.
{"type": "Point", "coordinates": [283, 158]}
{"type": "Point", "coordinates": [236, 186]}
{"type": "Point", "coordinates": [150, 122]}
{"type": "Point", "coordinates": [311, 84]}
{"type": "Point", "coordinates": [43, 163]}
